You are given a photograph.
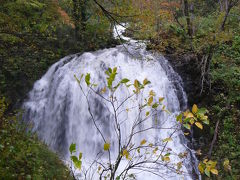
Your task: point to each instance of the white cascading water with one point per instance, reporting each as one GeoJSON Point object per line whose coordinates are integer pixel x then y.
{"type": "Point", "coordinates": [59, 113]}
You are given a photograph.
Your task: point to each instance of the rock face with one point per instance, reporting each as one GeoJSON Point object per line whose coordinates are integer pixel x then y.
{"type": "Point", "coordinates": [187, 67]}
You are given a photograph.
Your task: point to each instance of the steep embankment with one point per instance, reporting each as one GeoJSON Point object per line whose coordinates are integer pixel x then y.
{"type": "Point", "coordinates": [28, 45]}
{"type": "Point", "coordinates": [222, 101]}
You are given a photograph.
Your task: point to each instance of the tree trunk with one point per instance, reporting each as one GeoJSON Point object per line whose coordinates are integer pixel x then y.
{"type": "Point", "coordinates": [83, 9]}
{"type": "Point", "coordinates": [220, 5]}
{"type": "Point", "coordinates": [80, 17]}
{"type": "Point", "coordinates": [186, 13]}
{"type": "Point", "coordinates": [76, 17]}
{"type": "Point", "coordinates": [229, 4]}
{"type": "Point", "coordinates": [192, 17]}
{"type": "Point", "coordinates": [225, 18]}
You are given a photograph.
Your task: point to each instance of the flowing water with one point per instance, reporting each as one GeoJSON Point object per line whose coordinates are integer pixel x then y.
{"type": "Point", "coordinates": [59, 113]}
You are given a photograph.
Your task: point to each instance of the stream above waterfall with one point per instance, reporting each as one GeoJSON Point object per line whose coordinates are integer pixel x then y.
{"type": "Point", "coordinates": [58, 109]}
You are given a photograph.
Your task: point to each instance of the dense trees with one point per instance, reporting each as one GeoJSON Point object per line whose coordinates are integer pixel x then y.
{"type": "Point", "coordinates": [35, 34]}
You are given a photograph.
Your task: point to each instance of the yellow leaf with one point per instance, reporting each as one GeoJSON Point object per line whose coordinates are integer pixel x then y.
{"type": "Point", "coordinates": [185, 113]}
{"type": "Point", "coordinates": [136, 85]}
{"type": "Point", "coordinates": [161, 99]}
{"type": "Point", "coordinates": [145, 81]}
{"type": "Point", "coordinates": [214, 171]}
{"type": "Point", "coordinates": [200, 168]}
{"type": "Point", "coordinates": [226, 162]}
{"type": "Point", "coordinates": [166, 158]}
{"type": "Point", "coordinates": [204, 117]}
{"type": "Point", "coordinates": [179, 165]}
{"type": "Point", "coordinates": [163, 108]}
{"type": "Point", "coordinates": [226, 165]}
{"type": "Point", "coordinates": [103, 90]}
{"type": "Point", "coordinates": [199, 125]}
{"type": "Point", "coordinates": [205, 161]}
{"type": "Point", "coordinates": [189, 115]}
{"type": "Point", "coordinates": [143, 141]}
{"type": "Point", "coordinates": [126, 154]}
{"type": "Point", "coordinates": [194, 109]}
{"type": "Point", "coordinates": [150, 100]}
{"type": "Point", "coordinates": [167, 139]}
{"type": "Point", "coordinates": [191, 121]}
{"type": "Point", "coordinates": [106, 146]}
{"type": "Point", "coordinates": [152, 93]}
{"type": "Point", "coordinates": [186, 134]}
{"type": "Point", "coordinates": [212, 164]}
{"type": "Point", "coordinates": [155, 150]}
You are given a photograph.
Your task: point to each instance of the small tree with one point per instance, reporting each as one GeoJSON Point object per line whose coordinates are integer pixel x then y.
{"type": "Point", "coordinates": [140, 156]}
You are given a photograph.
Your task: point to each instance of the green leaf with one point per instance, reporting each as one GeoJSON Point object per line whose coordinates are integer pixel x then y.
{"type": "Point", "coordinates": [115, 70]}
{"type": "Point", "coordinates": [80, 156]}
{"type": "Point", "coordinates": [187, 126]}
{"type": "Point", "coordinates": [207, 172]}
{"type": "Point", "coordinates": [74, 159]}
{"type": "Point", "coordinates": [111, 77]}
{"type": "Point", "coordinates": [147, 113]}
{"type": "Point", "coordinates": [202, 111]}
{"type": "Point", "coordinates": [125, 80]}
{"type": "Point", "coordinates": [78, 164]}
{"type": "Point", "coordinates": [81, 76]}
{"type": "Point", "coordinates": [168, 154]}
{"type": "Point", "coordinates": [77, 79]}
{"type": "Point", "coordinates": [179, 118]}
{"type": "Point", "coordinates": [110, 70]}
{"type": "Point", "coordinates": [115, 87]}
{"type": "Point", "coordinates": [206, 122]}
{"type": "Point", "coordinates": [155, 105]}
{"type": "Point", "coordinates": [87, 79]}
{"type": "Point", "coordinates": [107, 73]}
{"type": "Point", "coordinates": [72, 148]}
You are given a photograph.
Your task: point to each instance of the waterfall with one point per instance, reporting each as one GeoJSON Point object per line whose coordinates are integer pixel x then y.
{"type": "Point", "coordinates": [58, 111]}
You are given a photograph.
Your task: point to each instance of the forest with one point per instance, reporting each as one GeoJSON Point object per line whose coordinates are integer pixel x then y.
{"type": "Point", "coordinates": [53, 40]}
